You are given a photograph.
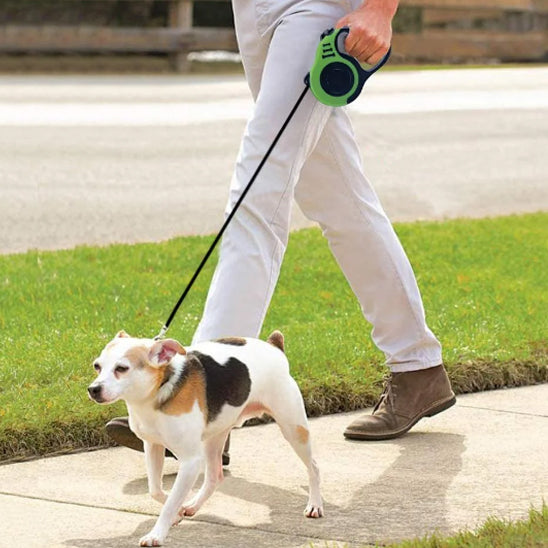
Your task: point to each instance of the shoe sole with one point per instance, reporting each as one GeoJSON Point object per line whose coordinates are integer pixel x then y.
{"type": "Point", "coordinates": [434, 410]}
{"type": "Point", "coordinates": [122, 435]}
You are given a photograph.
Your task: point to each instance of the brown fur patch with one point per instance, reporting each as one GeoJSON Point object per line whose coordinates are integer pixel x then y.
{"type": "Point", "coordinates": [302, 434]}
{"type": "Point", "coordinates": [234, 341]}
{"type": "Point", "coordinates": [276, 339]}
{"type": "Point", "coordinates": [138, 356]}
{"type": "Point", "coordinates": [192, 390]}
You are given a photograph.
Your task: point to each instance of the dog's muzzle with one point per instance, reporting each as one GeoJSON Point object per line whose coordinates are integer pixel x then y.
{"type": "Point", "coordinates": [95, 392]}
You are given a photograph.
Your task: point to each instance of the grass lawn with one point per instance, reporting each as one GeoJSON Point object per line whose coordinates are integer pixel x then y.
{"type": "Point", "coordinates": [528, 533]}
{"type": "Point", "coordinates": [484, 284]}
{"type": "Point", "coordinates": [494, 533]}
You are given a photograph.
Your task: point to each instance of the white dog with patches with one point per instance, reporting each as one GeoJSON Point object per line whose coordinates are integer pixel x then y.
{"type": "Point", "coordinates": [189, 399]}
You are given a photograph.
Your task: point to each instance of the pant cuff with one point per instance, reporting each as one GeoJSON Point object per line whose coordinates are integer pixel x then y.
{"type": "Point", "coordinates": [414, 365]}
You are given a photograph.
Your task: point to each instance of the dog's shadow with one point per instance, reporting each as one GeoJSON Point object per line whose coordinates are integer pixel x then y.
{"type": "Point", "coordinates": [407, 500]}
{"type": "Point", "coordinates": [139, 486]}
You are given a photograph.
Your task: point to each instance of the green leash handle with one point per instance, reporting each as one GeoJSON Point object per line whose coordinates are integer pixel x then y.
{"type": "Point", "coordinates": [336, 78]}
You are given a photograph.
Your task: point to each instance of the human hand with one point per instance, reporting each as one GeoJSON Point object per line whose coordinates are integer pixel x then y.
{"type": "Point", "coordinates": [370, 30]}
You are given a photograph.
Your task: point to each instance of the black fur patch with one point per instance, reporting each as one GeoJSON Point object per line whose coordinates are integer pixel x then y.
{"type": "Point", "coordinates": [234, 341]}
{"type": "Point", "coordinates": [225, 383]}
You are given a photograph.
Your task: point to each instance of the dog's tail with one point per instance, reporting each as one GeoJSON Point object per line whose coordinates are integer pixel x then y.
{"type": "Point", "coordinates": [276, 339]}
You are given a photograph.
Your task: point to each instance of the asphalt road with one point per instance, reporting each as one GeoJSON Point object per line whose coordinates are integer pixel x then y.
{"type": "Point", "coordinates": [98, 159]}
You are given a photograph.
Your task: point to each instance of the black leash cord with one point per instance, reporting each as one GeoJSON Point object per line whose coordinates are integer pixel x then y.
{"type": "Point", "coordinates": [164, 329]}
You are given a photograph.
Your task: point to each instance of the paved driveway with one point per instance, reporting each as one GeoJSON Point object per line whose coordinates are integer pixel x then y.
{"type": "Point", "coordinates": [97, 159]}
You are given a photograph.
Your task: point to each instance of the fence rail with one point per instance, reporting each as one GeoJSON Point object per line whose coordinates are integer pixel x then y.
{"type": "Point", "coordinates": [447, 32]}
{"type": "Point", "coordinates": [89, 39]}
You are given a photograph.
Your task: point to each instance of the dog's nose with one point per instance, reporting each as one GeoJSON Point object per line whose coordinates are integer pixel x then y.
{"type": "Point", "coordinates": [94, 390]}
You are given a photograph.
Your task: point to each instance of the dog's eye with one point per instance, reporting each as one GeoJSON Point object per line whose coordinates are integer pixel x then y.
{"type": "Point", "coordinates": [121, 369]}
{"type": "Point", "coordinates": [97, 367]}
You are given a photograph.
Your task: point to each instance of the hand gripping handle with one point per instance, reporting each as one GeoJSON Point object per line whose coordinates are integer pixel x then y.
{"type": "Point", "coordinates": [336, 78]}
{"type": "Point", "coordinates": [341, 38]}
{"type": "Point", "coordinates": [364, 74]}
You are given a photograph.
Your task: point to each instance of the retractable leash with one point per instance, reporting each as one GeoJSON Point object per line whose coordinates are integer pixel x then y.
{"type": "Point", "coordinates": [335, 79]}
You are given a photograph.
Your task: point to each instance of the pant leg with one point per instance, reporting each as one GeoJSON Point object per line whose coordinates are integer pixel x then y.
{"type": "Point", "coordinates": [334, 191]}
{"type": "Point", "coordinates": [254, 244]}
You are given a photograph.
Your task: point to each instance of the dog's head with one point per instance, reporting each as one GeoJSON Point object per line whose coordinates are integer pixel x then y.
{"type": "Point", "coordinates": [132, 369]}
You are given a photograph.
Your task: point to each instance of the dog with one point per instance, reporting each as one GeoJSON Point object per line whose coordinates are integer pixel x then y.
{"type": "Point", "coordinates": [188, 400]}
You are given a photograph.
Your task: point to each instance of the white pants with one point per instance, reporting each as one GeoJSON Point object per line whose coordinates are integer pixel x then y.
{"type": "Point", "coordinates": [317, 162]}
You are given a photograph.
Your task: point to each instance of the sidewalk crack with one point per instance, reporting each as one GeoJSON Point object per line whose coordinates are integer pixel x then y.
{"type": "Point", "coordinates": [299, 536]}
{"type": "Point", "coordinates": [503, 411]}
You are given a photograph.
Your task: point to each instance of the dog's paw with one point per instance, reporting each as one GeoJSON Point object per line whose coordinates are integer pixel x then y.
{"type": "Point", "coordinates": [187, 511]}
{"type": "Point", "coordinates": [151, 539]}
{"type": "Point", "coordinates": [313, 511]}
{"type": "Point", "coordinates": [161, 497]}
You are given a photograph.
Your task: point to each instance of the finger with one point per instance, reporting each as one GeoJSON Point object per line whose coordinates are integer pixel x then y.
{"type": "Point", "coordinates": [359, 44]}
{"type": "Point", "coordinates": [361, 51]}
{"type": "Point", "coordinates": [376, 56]}
{"type": "Point", "coordinates": [370, 48]}
{"type": "Point", "coordinates": [352, 43]}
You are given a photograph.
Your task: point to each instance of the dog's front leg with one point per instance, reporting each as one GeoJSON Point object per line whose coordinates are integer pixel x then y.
{"type": "Point", "coordinates": [154, 458]}
{"type": "Point", "coordinates": [186, 477]}
{"type": "Point", "coordinates": [213, 475]}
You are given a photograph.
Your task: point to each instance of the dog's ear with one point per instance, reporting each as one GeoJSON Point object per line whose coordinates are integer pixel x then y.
{"type": "Point", "coordinates": [163, 351]}
{"type": "Point", "coordinates": [121, 334]}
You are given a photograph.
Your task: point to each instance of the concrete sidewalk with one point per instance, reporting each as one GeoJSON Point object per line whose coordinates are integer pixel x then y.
{"type": "Point", "coordinates": [485, 456]}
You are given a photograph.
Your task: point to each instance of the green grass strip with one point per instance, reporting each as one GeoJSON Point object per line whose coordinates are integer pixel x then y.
{"type": "Point", "coordinates": [529, 533]}
{"type": "Point", "coordinates": [484, 284]}
{"type": "Point", "coordinates": [494, 533]}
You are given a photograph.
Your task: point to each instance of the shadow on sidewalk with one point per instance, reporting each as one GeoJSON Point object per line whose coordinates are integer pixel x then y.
{"type": "Point", "coordinates": [407, 500]}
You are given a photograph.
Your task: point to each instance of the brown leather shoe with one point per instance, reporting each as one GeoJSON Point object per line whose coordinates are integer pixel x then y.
{"type": "Point", "coordinates": [118, 429]}
{"type": "Point", "coordinates": [407, 398]}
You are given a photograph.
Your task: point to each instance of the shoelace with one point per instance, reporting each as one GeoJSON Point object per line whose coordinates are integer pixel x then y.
{"type": "Point", "coordinates": [387, 395]}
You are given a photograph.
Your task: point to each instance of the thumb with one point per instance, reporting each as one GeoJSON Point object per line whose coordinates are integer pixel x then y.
{"type": "Point", "coordinates": [343, 22]}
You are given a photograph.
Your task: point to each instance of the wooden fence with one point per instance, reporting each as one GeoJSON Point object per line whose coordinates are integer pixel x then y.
{"type": "Point", "coordinates": [454, 30]}
{"type": "Point", "coordinates": [461, 30]}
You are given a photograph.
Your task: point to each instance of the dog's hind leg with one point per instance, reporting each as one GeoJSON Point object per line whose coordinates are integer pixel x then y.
{"type": "Point", "coordinates": [213, 475]}
{"type": "Point", "coordinates": [292, 420]}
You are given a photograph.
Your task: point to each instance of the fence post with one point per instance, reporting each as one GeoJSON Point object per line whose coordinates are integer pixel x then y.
{"type": "Point", "coordinates": [180, 17]}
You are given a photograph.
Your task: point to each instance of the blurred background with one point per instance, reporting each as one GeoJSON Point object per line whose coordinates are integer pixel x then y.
{"type": "Point", "coordinates": [159, 35]}
{"type": "Point", "coordinates": [120, 120]}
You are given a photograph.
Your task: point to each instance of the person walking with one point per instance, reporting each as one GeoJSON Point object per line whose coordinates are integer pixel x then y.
{"type": "Point", "coordinates": [317, 163]}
